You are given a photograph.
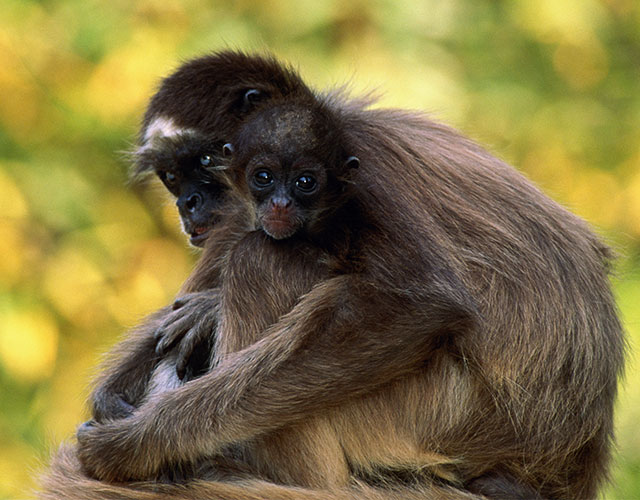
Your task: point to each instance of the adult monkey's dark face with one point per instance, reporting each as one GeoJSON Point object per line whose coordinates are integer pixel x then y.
{"type": "Point", "coordinates": [189, 168]}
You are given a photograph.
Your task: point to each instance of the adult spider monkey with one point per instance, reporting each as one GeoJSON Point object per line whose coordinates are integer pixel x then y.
{"type": "Point", "coordinates": [457, 313]}
{"type": "Point", "coordinates": [256, 457]}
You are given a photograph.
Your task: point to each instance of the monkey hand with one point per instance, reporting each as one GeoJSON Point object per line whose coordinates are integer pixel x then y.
{"type": "Point", "coordinates": [109, 405]}
{"type": "Point", "coordinates": [192, 320]}
{"type": "Point", "coordinates": [115, 451]}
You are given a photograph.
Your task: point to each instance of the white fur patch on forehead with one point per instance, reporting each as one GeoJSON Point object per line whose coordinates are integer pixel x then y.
{"type": "Point", "coordinates": [162, 126]}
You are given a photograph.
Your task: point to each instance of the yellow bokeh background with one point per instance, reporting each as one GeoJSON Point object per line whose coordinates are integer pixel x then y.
{"type": "Point", "coordinates": [551, 86]}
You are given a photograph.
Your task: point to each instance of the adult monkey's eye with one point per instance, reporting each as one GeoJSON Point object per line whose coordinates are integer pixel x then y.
{"type": "Point", "coordinates": [169, 178]}
{"type": "Point", "coordinates": [263, 178]}
{"type": "Point", "coordinates": [306, 183]}
{"type": "Point", "coordinates": [206, 160]}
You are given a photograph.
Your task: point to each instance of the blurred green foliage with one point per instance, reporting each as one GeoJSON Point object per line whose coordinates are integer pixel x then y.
{"type": "Point", "coordinates": [553, 87]}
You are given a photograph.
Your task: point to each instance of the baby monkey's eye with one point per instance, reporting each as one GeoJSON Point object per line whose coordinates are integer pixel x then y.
{"type": "Point", "coordinates": [263, 178]}
{"type": "Point", "coordinates": [206, 160]}
{"type": "Point", "coordinates": [306, 183]}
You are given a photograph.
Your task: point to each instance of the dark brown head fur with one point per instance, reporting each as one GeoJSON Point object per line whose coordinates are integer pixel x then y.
{"type": "Point", "coordinates": [292, 163]}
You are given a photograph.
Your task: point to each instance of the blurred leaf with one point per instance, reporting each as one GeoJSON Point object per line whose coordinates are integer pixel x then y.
{"type": "Point", "coordinates": [28, 343]}
{"type": "Point", "coordinates": [12, 202]}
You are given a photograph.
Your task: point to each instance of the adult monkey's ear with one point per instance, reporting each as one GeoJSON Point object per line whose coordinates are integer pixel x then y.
{"type": "Point", "coordinates": [251, 98]}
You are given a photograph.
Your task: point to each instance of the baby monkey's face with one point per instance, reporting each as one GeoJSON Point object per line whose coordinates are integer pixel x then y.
{"type": "Point", "coordinates": [290, 161]}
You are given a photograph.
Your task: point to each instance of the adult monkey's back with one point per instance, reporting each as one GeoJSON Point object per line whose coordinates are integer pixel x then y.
{"type": "Point", "coordinates": [525, 396]}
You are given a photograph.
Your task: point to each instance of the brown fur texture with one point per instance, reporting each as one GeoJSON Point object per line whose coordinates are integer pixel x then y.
{"type": "Point", "coordinates": [463, 333]}
{"type": "Point", "coordinates": [66, 480]}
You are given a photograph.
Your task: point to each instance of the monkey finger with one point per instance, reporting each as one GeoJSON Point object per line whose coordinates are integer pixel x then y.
{"type": "Point", "coordinates": [121, 408]}
{"type": "Point", "coordinates": [169, 321]}
{"type": "Point", "coordinates": [185, 299]}
{"type": "Point", "coordinates": [184, 353]}
{"type": "Point", "coordinates": [190, 342]}
{"type": "Point", "coordinates": [189, 312]}
{"type": "Point", "coordinates": [181, 367]}
{"type": "Point", "coordinates": [170, 334]}
{"type": "Point", "coordinates": [84, 429]}
{"type": "Point", "coordinates": [199, 300]}
{"type": "Point", "coordinates": [180, 302]}
{"type": "Point", "coordinates": [164, 345]}
{"type": "Point", "coordinates": [111, 406]}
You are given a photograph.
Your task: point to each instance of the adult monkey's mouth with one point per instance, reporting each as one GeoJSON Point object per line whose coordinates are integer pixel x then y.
{"type": "Point", "coordinates": [199, 235]}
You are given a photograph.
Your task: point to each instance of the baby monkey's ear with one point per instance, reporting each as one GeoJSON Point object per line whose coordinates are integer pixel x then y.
{"type": "Point", "coordinates": [352, 163]}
